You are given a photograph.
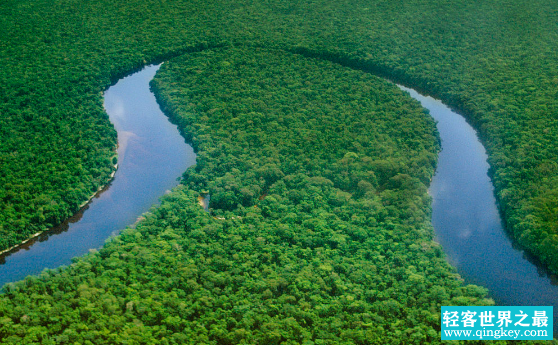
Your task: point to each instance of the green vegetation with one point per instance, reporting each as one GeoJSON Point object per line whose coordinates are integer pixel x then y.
{"type": "Point", "coordinates": [57, 143]}
{"type": "Point", "coordinates": [311, 241]}
{"type": "Point", "coordinates": [495, 61]}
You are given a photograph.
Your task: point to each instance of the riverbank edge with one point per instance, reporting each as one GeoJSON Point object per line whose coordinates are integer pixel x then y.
{"type": "Point", "coordinates": [342, 58]}
{"type": "Point", "coordinates": [455, 103]}
{"type": "Point", "coordinates": [81, 206]}
{"type": "Point", "coordinates": [114, 78]}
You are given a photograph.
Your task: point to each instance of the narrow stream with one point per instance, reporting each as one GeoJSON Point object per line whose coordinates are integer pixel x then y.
{"type": "Point", "coordinates": [152, 156]}
{"type": "Point", "coordinates": [467, 222]}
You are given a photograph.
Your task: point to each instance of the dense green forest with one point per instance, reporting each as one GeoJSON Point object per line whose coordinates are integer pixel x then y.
{"type": "Point", "coordinates": [494, 61]}
{"type": "Point", "coordinates": [321, 233]}
{"type": "Point", "coordinates": [327, 208]}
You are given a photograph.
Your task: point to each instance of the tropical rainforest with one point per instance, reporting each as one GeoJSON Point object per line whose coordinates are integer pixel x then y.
{"type": "Point", "coordinates": [317, 169]}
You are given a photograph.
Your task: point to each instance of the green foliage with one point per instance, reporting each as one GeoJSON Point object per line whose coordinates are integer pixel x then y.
{"type": "Point", "coordinates": [307, 244]}
{"type": "Point", "coordinates": [337, 210]}
{"type": "Point", "coordinates": [57, 145]}
{"type": "Point", "coordinates": [493, 60]}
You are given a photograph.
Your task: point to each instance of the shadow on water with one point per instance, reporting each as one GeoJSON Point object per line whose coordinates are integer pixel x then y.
{"type": "Point", "coordinates": [152, 155]}
{"type": "Point", "coordinates": [468, 224]}
{"type": "Point", "coordinates": [57, 230]}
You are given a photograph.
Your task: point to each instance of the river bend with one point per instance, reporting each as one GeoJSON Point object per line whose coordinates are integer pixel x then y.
{"type": "Point", "coordinates": [467, 223]}
{"type": "Point", "coordinates": [152, 155]}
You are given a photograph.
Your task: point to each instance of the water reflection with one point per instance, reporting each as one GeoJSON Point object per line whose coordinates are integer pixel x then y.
{"type": "Point", "coordinates": [467, 222]}
{"type": "Point", "coordinates": [151, 156]}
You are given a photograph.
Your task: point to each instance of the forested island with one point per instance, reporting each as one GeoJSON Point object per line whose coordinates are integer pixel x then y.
{"type": "Point", "coordinates": [319, 230]}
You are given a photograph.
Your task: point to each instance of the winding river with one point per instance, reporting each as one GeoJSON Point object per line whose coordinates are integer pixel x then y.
{"type": "Point", "coordinates": [153, 155]}
{"type": "Point", "coordinates": [467, 223]}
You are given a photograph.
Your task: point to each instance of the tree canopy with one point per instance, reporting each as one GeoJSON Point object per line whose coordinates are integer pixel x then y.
{"type": "Point", "coordinates": [317, 208]}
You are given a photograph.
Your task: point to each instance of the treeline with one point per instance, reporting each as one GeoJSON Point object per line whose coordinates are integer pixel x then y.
{"type": "Point", "coordinates": [319, 230]}
{"type": "Point", "coordinates": [494, 63]}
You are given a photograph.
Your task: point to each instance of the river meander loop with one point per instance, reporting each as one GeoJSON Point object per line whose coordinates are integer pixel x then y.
{"type": "Point", "coordinates": [153, 155]}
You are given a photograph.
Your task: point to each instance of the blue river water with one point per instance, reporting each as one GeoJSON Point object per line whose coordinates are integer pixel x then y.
{"type": "Point", "coordinates": [467, 223]}
{"type": "Point", "coordinates": [152, 155]}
